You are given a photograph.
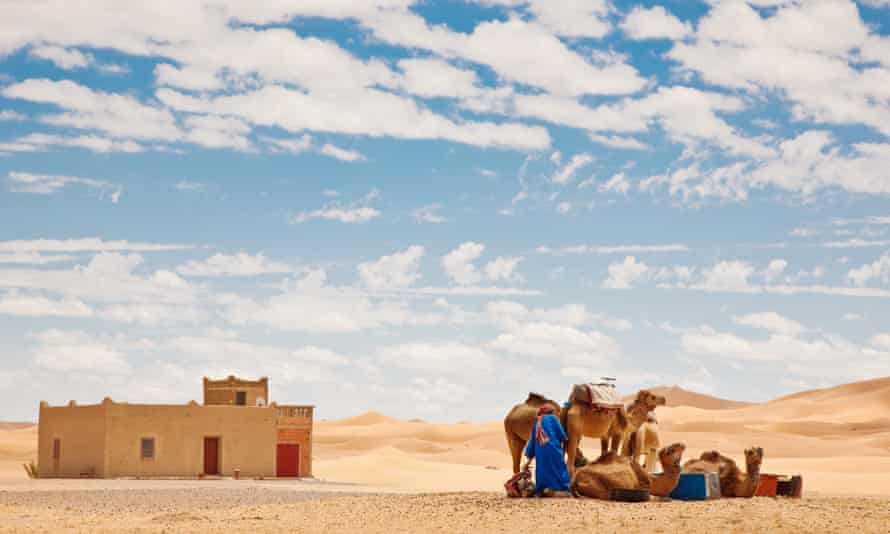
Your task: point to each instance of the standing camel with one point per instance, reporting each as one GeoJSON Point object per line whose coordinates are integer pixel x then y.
{"type": "Point", "coordinates": [518, 424]}
{"type": "Point", "coordinates": [645, 442]}
{"type": "Point", "coordinates": [616, 424]}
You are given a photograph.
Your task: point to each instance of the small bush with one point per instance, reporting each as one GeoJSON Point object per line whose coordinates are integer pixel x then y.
{"type": "Point", "coordinates": [31, 469]}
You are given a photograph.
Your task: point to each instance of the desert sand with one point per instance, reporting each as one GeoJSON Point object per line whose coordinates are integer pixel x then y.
{"type": "Point", "coordinates": [380, 474]}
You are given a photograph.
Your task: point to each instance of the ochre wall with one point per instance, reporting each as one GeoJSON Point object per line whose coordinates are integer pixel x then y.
{"type": "Point", "coordinates": [81, 430]}
{"type": "Point", "coordinates": [222, 392]}
{"type": "Point", "coordinates": [303, 436]}
{"type": "Point", "coordinates": [247, 439]}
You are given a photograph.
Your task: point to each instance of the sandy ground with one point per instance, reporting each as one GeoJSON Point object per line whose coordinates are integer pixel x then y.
{"type": "Point", "coordinates": [378, 474]}
{"type": "Point", "coordinates": [210, 511]}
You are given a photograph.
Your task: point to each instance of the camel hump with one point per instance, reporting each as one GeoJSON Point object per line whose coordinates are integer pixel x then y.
{"type": "Point", "coordinates": [536, 398]}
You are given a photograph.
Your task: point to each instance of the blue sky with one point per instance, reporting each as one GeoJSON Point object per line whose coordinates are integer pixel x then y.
{"type": "Point", "coordinates": [431, 208]}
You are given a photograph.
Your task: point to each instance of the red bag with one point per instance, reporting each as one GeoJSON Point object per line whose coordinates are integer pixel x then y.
{"type": "Point", "coordinates": [519, 484]}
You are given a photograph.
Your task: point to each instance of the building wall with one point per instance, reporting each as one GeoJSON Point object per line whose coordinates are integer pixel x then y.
{"type": "Point", "coordinates": [223, 392]}
{"type": "Point", "coordinates": [247, 438]}
{"type": "Point", "coordinates": [81, 431]}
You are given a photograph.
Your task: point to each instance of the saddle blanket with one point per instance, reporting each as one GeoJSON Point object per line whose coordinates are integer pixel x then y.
{"type": "Point", "coordinates": [604, 395]}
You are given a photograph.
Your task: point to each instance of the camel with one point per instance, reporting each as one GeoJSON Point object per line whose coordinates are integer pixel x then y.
{"type": "Point", "coordinates": [612, 471]}
{"type": "Point", "coordinates": [518, 424]}
{"type": "Point", "coordinates": [645, 441]}
{"type": "Point", "coordinates": [733, 483]}
{"type": "Point", "coordinates": [581, 419]}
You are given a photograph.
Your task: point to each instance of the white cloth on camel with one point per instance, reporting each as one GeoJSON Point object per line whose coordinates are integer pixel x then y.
{"type": "Point", "coordinates": [604, 395]}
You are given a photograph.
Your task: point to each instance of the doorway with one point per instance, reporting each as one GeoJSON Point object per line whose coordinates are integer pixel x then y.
{"type": "Point", "coordinates": [211, 456]}
{"type": "Point", "coordinates": [288, 460]}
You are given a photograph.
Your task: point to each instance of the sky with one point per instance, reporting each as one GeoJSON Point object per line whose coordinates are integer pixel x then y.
{"type": "Point", "coordinates": [431, 208]}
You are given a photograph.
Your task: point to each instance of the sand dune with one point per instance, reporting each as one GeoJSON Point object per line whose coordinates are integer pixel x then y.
{"type": "Point", "coordinates": [677, 396]}
{"type": "Point", "coordinates": [839, 438]}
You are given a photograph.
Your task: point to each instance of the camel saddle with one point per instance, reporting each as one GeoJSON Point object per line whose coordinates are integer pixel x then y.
{"type": "Point", "coordinates": [602, 396]}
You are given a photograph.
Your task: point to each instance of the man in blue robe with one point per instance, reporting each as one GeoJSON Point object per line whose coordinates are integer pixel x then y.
{"type": "Point", "coordinates": [545, 447]}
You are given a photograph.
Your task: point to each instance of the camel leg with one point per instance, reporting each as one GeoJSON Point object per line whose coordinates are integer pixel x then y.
{"type": "Point", "coordinates": [574, 428]}
{"type": "Point", "coordinates": [642, 478]}
{"type": "Point", "coordinates": [604, 445]}
{"type": "Point", "coordinates": [617, 440]}
{"type": "Point", "coordinates": [516, 448]}
{"type": "Point", "coordinates": [651, 454]}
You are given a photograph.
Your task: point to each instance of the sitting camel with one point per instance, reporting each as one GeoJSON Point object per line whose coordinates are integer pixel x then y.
{"type": "Point", "coordinates": [616, 424]}
{"type": "Point", "coordinates": [645, 441]}
{"type": "Point", "coordinates": [612, 471]}
{"type": "Point", "coordinates": [733, 483]}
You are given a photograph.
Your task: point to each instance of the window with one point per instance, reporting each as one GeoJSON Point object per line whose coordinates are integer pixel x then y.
{"type": "Point", "coordinates": [241, 398]}
{"type": "Point", "coordinates": [57, 449]}
{"type": "Point", "coordinates": [148, 448]}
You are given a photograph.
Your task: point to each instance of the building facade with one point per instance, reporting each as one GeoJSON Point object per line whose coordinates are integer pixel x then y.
{"type": "Point", "coordinates": [236, 429]}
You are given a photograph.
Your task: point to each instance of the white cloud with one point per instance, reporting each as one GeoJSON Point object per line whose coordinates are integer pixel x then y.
{"type": "Point", "coordinates": [458, 264]}
{"type": "Point", "coordinates": [10, 115]}
{"type": "Point", "coordinates": [774, 269]}
{"type": "Point", "coordinates": [727, 276]}
{"type": "Point", "coordinates": [567, 173]}
{"type": "Point", "coordinates": [618, 183]}
{"type": "Point", "coordinates": [618, 249]}
{"type": "Point", "coordinates": [73, 351]}
{"type": "Point", "coordinates": [88, 244]}
{"type": "Point", "coordinates": [33, 258]}
{"type": "Point", "coordinates": [238, 264]}
{"type": "Point", "coordinates": [370, 112]}
{"type": "Point", "coordinates": [449, 358]}
{"type": "Point", "coordinates": [398, 270]}
{"type": "Point", "coordinates": [878, 270]}
{"type": "Point", "coordinates": [850, 316]}
{"type": "Point", "coordinates": [437, 78]}
{"type": "Point", "coordinates": [309, 305]}
{"type": "Point", "coordinates": [880, 341]}
{"type": "Point", "coordinates": [64, 58]}
{"type": "Point", "coordinates": [573, 18]}
{"type": "Point", "coordinates": [428, 214]}
{"type": "Point", "coordinates": [107, 277]}
{"type": "Point", "coordinates": [564, 344]}
{"type": "Point", "coordinates": [213, 131]}
{"type": "Point", "coordinates": [191, 186]}
{"type": "Point", "coordinates": [84, 108]}
{"type": "Point", "coordinates": [14, 303]}
{"type": "Point", "coordinates": [502, 268]}
{"type": "Point", "coordinates": [296, 145]}
{"type": "Point", "coordinates": [654, 23]}
{"type": "Point", "coordinates": [355, 215]}
{"type": "Point", "coordinates": [189, 77]}
{"type": "Point", "coordinates": [510, 46]}
{"type": "Point", "coordinates": [617, 141]}
{"type": "Point", "coordinates": [341, 153]}
{"type": "Point", "coordinates": [771, 321]}
{"type": "Point", "coordinates": [741, 48]}
{"type": "Point", "coordinates": [623, 274]}
{"type": "Point", "coordinates": [47, 184]}
{"type": "Point", "coordinates": [40, 142]}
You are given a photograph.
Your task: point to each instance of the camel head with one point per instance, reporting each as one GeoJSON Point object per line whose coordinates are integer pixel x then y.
{"type": "Point", "coordinates": [649, 400]}
{"type": "Point", "coordinates": [537, 400]}
{"type": "Point", "coordinates": [754, 457]}
{"type": "Point", "coordinates": [672, 455]}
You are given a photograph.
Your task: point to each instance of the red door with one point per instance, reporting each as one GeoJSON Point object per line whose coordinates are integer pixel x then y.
{"type": "Point", "coordinates": [211, 456]}
{"type": "Point", "coordinates": [288, 460]}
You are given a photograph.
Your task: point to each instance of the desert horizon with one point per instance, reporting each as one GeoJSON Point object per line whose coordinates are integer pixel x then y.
{"type": "Point", "coordinates": [838, 438]}
{"type": "Point", "coordinates": [392, 475]}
